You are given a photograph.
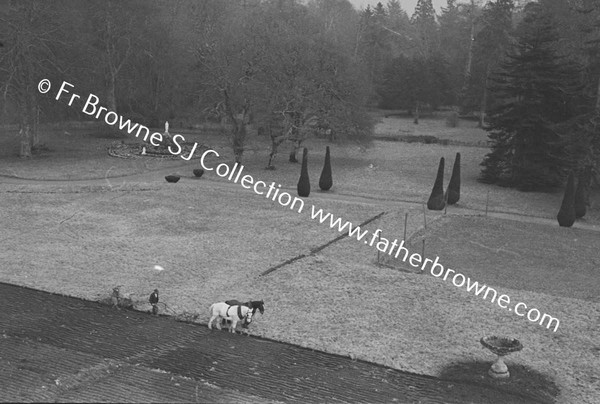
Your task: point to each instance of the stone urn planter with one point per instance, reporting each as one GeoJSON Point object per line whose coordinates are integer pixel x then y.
{"type": "Point", "coordinates": [172, 178]}
{"type": "Point", "coordinates": [500, 346]}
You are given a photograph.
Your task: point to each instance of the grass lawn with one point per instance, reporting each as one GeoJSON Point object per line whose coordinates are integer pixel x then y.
{"type": "Point", "coordinates": [527, 256]}
{"type": "Point", "coordinates": [214, 239]}
{"type": "Point", "coordinates": [466, 132]}
{"type": "Point", "coordinates": [73, 154]}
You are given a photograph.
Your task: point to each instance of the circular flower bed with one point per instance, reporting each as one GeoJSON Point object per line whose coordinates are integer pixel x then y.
{"type": "Point", "coordinates": [501, 345]}
{"type": "Point", "coordinates": [136, 150]}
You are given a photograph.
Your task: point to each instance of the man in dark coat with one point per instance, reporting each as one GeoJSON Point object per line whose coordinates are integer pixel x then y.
{"type": "Point", "coordinates": [154, 301]}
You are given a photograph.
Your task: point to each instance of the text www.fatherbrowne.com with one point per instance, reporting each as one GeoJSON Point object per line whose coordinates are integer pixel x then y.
{"type": "Point", "coordinates": [436, 269]}
{"type": "Point", "coordinates": [275, 193]}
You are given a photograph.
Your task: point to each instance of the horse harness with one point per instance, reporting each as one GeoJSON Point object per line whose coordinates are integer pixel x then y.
{"type": "Point", "coordinates": [239, 312]}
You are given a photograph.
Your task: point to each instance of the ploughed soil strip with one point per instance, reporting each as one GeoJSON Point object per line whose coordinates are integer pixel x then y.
{"type": "Point", "coordinates": [319, 248]}
{"type": "Point", "coordinates": [59, 348]}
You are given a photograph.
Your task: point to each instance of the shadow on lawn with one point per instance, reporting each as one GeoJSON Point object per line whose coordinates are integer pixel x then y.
{"type": "Point", "coordinates": [523, 381]}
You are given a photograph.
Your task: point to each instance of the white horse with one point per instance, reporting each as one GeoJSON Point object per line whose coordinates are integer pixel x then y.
{"type": "Point", "coordinates": [232, 313]}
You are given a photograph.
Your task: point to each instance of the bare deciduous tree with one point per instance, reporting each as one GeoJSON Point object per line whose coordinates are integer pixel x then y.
{"type": "Point", "coordinates": [29, 29]}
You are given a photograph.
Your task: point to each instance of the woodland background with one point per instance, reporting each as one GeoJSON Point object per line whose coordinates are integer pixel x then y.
{"type": "Point", "coordinates": [528, 71]}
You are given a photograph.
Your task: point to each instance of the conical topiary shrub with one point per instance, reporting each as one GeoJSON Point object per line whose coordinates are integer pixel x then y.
{"type": "Point", "coordinates": [580, 199]}
{"type": "Point", "coordinates": [326, 181]}
{"type": "Point", "coordinates": [453, 190]}
{"type": "Point", "coordinates": [436, 199]}
{"type": "Point", "coordinates": [566, 214]}
{"type": "Point", "coordinates": [304, 182]}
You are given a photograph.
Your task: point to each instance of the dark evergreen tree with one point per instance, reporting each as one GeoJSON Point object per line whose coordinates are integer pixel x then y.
{"type": "Point", "coordinates": [456, 23]}
{"type": "Point", "coordinates": [424, 22]}
{"type": "Point", "coordinates": [453, 190]}
{"type": "Point", "coordinates": [397, 17]}
{"type": "Point", "coordinates": [580, 196]}
{"type": "Point", "coordinates": [304, 181]}
{"type": "Point", "coordinates": [373, 41]}
{"type": "Point", "coordinates": [326, 180]}
{"type": "Point", "coordinates": [379, 13]}
{"type": "Point", "coordinates": [437, 201]}
{"type": "Point", "coordinates": [490, 43]}
{"type": "Point", "coordinates": [400, 30]}
{"type": "Point", "coordinates": [410, 82]}
{"type": "Point", "coordinates": [566, 214]}
{"type": "Point", "coordinates": [402, 82]}
{"type": "Point", "coordinates": [583, 42]}
{"type": "Point", "coordinates": [537, 88]}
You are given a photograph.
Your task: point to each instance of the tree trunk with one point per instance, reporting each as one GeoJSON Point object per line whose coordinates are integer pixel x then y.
{"type": "Point", "coordinates": [112, 70]}
{"type": "Point", "coordinates": [586, 179]}
{"type": "Point", "coordinates": [295, 136]}
{"type": "Point", "coordinates": [238, 135]}
{"type": "Point", "coordinates": [25, 134]}
{"type": "Point", "coordinates": [30, 108]}
{"type": "Point", "coordinates": [111, 99]}
{"type": "Point", "coordinates": [294, 150]}
{"type": "Point", "coordinates": [5, 99]}
{"type": "Point", "coordinates": [417, 108]}
{"type": "Point", "coordinates": [34, 117]}
{"type": "Point", "coordinates": [484, 98]}
{"type": "Point", "coordinates": [275, 142]}
{"type": "Point", "coordinates": [27, 118]}
{"type": "Point", "coordinates": [239, 138]}
{"type": "Point", "coordinates": [471, 42]}
{"type": "Point", "coordinates": [156, 102]}
{"type": "Point", "coordinates": [598, 100]}
{"type": "Point", "coordinates": [469, 63]}
{"type": "Point", "coordinates": [330, 135]}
